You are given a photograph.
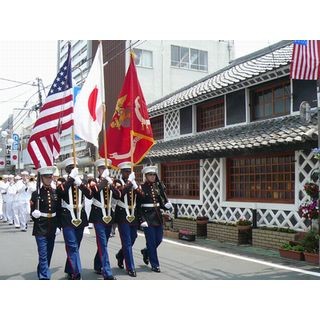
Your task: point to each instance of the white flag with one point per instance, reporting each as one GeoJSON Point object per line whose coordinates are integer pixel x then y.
{"type": "Point", "coordinates": [88, 110]}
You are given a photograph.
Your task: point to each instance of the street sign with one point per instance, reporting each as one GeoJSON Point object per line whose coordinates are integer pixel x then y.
{"type": "Point", "coordinates": [16, 141]}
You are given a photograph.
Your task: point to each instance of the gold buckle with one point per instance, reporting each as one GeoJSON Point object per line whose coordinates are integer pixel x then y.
{"type": "Point", "coordinates": [49, 215]}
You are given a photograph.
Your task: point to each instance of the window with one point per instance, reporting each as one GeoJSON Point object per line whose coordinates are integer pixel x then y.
{"type": "Point", "coordinates": [181, 179]}
{"type": "Point", "coordinates": [143, 58]}
{"type": "Point", "coordinates": [268, 178]}
{"type": "Point", "coordinates": [157, 127]}
{"type": "Point", "coordinates": [210, 115]}
{"type": "Point", "coordinates": [270, 100]}
{"type": "Point", "coordinates": [188, 58]}
{"type": "Point", "coordinates": [186, 120]}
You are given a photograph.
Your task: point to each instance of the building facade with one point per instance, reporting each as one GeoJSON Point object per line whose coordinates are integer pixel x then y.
{"type": "Point", "coordinates": [233, 144]}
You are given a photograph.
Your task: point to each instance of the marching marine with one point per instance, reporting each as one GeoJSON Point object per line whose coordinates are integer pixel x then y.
{"type": "Point", "coordinates": [44, 205]}
{"type": "Point", "coordinates": [150, 203]}
{"type": "Point", "coordinates": [72, 216]}
{"type": "Point", "coordinates": [102, 217]}
{"type": "Point", "coordinates": [125, 217]}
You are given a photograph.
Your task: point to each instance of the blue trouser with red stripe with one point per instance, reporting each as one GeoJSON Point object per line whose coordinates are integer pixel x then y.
{"type": "Point", "coordinates": [154, 236]}
{"type": "Point", "coordinates": [101, 260]}
{"type": "Point", "coordinates": [45, 249]}
{"type": "Point", "coordinates": [128, 235]}
{"type": "Point", "coordinates": [72, 238]}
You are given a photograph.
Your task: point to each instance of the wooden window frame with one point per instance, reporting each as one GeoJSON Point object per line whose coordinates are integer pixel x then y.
{"type": "Point", "coordinates": [216, 117]}
{"type": "Point", "coordinates": [157, 124]}
{"type": "Point", "coordinates": [182, 179]}
{"type": "Point", "coordinates": [265, 178]}
{"type": "Point", "coordinates": [286, 97]}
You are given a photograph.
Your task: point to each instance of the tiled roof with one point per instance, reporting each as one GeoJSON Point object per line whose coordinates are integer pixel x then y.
{"type": "Point", "coordinates": [278, 133]}
{"type": "Point", "coordinates": [233, 77]}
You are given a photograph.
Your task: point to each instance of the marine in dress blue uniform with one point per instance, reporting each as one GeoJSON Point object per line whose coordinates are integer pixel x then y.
{"type": "Point", "coordinates": [102, 217]}
{"type": "Point", "coordinates": [150, 203]}
{"type": "Point", "coordinates": [125, 217]}
{"type": "Point", "coordinates": [44, 205]}
{"type": "Point", "coordinates": [72, 217]}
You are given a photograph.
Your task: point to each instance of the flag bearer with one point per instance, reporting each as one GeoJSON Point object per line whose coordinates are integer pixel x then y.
{"type": "Point", "coordinates": [44, 204]}
{"type": "Point", "coordinates": [72, 216]}
{"type": "Point", "coordinates": [102, 217]}
{"type": "Point", "coordinates": [125, 217]}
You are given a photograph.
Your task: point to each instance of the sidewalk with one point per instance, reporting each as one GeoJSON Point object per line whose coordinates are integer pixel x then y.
{"type": "Point", "coordinates": [248, 251]}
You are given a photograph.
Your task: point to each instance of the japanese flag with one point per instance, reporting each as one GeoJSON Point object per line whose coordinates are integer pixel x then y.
{"type": "Point", "coordinates": [88, 109]}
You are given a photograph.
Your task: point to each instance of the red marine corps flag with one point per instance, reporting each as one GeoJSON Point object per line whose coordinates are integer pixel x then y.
{"type": "Point", "coordinates": [129, 137]}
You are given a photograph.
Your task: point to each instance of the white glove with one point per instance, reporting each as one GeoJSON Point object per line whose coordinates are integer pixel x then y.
{"type": "Point", "coordinates": [77, 180]}
{"type": "Point", "coordinates": [74, 172]}
{"type": "Point", "coordinates": [168, 205]}
{"type": "Point", "coordinates": [144, 224]}
{"type": "Point", "coordinates": [105, 174]}
{"type": "Point", "coordinates": [132, 177]}
{"type": "Point", "coordinates": [134, 184]}
{"type": "Point", "coordinates": [110, 181]}
{"type": "Point", "coordinates": [36, 214]}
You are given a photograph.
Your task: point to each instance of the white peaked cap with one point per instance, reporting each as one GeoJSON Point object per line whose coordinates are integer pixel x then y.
{"type": "Point", "coordinates": [69, 161]}
{"type": "Point", "coordinates": [101, 162]}
{"type": "Point", "coordinates": [90, 175]}
{"type": "Point", "coordinates": [124, 165]}
{"type": "Point", "coordinates": [10, 176]}
{"type": "Point", "coordinates": [17, 177]}
{"type": "Point", "coordinates": [32, 174]}
{"type": "Point", "coordinates": [25, 172]}
{"type": "Point", "coordinates": [47, 170]}
{"type": "Point", "coordinates": [149, 169]}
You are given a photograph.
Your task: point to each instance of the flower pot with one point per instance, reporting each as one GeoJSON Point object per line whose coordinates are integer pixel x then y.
{"type": "Point", "coordinates": [291, 254]}
{"type": "Point", "coordinates": [311, 257]}
{"type": "Point", "coordinates": [244, 228]}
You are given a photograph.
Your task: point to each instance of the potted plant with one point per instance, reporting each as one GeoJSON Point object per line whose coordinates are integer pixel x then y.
{"type": "Point", "coordinates": [243, 224]}
{"type": "Point", "coordinates": [290, 251]}
{"type": "Point", "coordinates": [202, 219]}
{"type": "Point", "coordinates": [310, 243]}
{"type": "Point", "coordinates": [312, 190]}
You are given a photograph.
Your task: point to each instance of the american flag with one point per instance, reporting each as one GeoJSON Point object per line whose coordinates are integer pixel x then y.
{"type": "Point", "coordinates": [55, 116]}
{"type": "Point", "coordinates": [305, 63]}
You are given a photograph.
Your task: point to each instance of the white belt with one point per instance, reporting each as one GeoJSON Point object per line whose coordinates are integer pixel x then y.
{"type": "Point", "coordinates": [97, 203]}
{"type": "Point", "coordinates": [150, 205]}
{"type": "Point", "coordinates": [48, 215]}
{"type": "Point", "coordinates": [123, 205]}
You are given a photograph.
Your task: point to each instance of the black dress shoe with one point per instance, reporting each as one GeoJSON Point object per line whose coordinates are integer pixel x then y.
{"type": "Point", "coordinates": [132, 273]}
{"type": "Point", "coordinates": [155, 269]}
{"type": "Point", "coordinates": [120, 262]}
{"type": "Point", "coordinates": [144, 253]}
{"type": "Point", "coordinates": [110, 278]}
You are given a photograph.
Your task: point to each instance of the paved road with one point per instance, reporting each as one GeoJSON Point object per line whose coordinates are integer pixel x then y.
{"type": "Point", "coordinates": [179, 260]}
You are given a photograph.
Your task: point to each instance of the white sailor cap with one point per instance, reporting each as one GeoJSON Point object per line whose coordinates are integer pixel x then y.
{"type": "Point", "coordinates": [17, 177]}
{"type": "Point", "coordinates": [149, 169]}
{"type": "Point", "coordinates": [101, 162]}
{"type": "Point", "coordinates": [124, 165]}
{"type": "Point", "coordinates": [90, 175]}
{"type": "Point", "coordinates": [69, 161]}
{"type": "Point", "coordinates": [5, 176]}
{"type": "Point", "coordinates": [25, 173]}
{"type": "Point", "coordinates": [47, 170]}
{"type": "Point", "coordinates": [10, 176]}
{"type": "Point", "coordinates": [32, 174]}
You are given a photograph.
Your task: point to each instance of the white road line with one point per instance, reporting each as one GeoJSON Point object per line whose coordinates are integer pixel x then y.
{"type": "Point", "coordinates": [222, 253]}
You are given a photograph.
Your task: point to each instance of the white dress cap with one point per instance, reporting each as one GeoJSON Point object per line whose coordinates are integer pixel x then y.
{"type": "Point", "coordinates": [124, 165]}
{"type": "Point", "coordinates": [101, 162]}
{"type": "Point", "coordinates": [69, 161]}
{"type": "Point", "coordinates": [17, 177]}
{"type": "Point", "coordinates": [25, 173]}
{"type": "Point", "coordinates": [47, 170]}
{"type": "Point", "coordinates": [149, 169]}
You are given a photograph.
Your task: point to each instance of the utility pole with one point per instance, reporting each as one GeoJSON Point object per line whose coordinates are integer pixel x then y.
{"type": "Point", "coordinates": [39, 94]}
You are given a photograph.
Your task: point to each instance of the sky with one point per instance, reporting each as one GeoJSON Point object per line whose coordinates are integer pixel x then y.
{"type": "Point", "coordinates": [25, 61]}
